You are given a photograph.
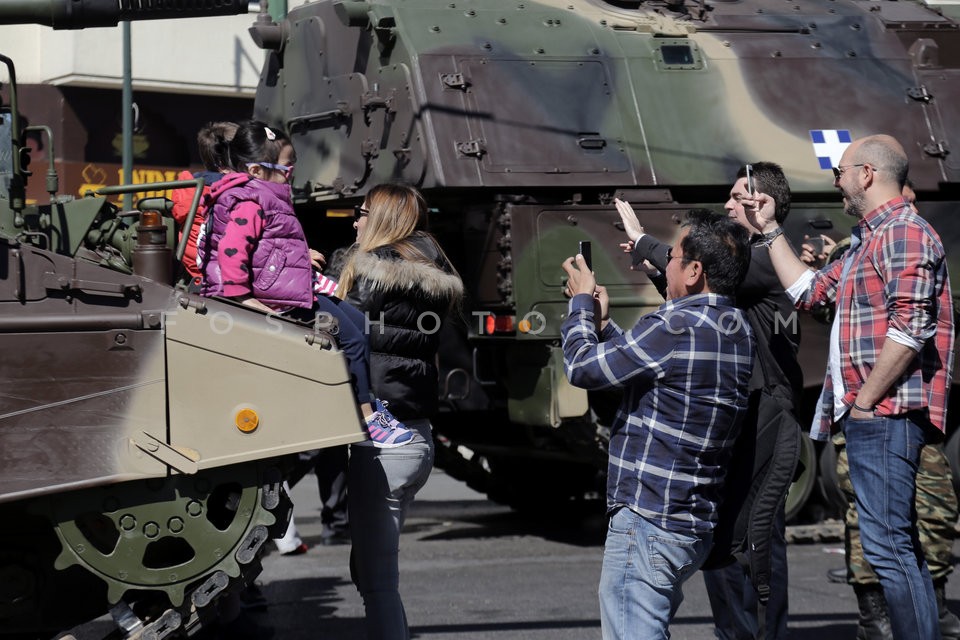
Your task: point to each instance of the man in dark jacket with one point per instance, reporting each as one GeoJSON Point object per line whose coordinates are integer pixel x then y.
{"type": "Point", "coordinates": [733, 589]}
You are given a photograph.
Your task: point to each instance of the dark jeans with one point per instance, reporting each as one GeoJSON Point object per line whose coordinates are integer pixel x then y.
{"type": "Point", "coordinates": [383, 483]}
{"type": "Point", "coordinates": [330, 465]}
{"type": "Point", "coordinates": [733, 598]}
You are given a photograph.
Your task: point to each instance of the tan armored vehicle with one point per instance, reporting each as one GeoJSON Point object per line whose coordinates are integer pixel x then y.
{"type": "Point", "coordinates": [144, 431]}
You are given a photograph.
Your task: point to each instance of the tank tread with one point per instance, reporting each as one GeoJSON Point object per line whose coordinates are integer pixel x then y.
{"type": "Point", "coordinates": [826, 531]}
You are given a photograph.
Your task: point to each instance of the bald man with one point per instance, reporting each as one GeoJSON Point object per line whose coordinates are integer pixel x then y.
{"type": "Point", "coordinates": [890, 362]}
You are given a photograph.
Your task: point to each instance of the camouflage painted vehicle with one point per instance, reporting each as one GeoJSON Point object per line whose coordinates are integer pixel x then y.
{"type": "Point", "coordinates": [143, 431]}
{"type": "Point", "coordinates": [521, 120]}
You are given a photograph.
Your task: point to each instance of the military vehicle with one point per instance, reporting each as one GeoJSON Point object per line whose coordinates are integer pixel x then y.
{"type": "Point", "coordinates": [522, 120]}
{"type": "Point", "coordinates": [144, 431]}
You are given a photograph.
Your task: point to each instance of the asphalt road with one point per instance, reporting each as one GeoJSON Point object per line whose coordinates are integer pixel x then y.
{"type": "Point", "coordinates": [474, 570]}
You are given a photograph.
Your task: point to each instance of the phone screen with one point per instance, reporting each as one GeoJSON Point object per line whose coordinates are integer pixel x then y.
{"type": "Point", "coordinates": [586, 253]}
{"type": "Point", "coordinates": [749, 169]}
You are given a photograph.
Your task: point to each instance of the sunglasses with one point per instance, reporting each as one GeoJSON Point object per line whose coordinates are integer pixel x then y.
{"type": "Point", "coordinates": [360, 212]}
{"type": "Point", "coordinates": [286, 170]}
{"type": "Point", "coordinates": [838, 171]}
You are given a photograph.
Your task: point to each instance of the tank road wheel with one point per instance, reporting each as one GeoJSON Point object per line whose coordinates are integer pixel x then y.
{"type": "Point", "coordinates": [800, 490]}
{"type": "Point", "coordinates": [168, 536]}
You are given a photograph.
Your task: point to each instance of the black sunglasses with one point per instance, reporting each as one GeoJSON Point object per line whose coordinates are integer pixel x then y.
{"type": "Point", "coordinates": [360, 212]}
{"type": "Point", "coordinates": [839, 169]}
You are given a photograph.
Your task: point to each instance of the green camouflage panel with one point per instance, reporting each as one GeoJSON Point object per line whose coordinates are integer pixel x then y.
{"type": "Point", "coordinates": [520, 122]}
{"type": "Point", "coordinates": [936, 504]}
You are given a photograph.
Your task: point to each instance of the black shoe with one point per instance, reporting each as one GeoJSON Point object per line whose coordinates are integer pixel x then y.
{"type": "Point", "coordinates": [949, 623]}
{"type": "Point", "coordinates": [838, 575]}
{"type": "Point", "coordinates": [874, 622]}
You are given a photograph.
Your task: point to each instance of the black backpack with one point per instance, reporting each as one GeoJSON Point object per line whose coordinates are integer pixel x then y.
{"type": "Point", "coordinates": [763, 466]}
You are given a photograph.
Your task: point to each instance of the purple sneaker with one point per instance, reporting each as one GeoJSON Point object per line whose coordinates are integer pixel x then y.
{"type": "Point", "coordinates": [385, 435]}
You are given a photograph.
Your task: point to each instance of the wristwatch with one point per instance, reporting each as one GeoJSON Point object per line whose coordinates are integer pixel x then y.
{"type": "Point", "coordinates": [768, 238]}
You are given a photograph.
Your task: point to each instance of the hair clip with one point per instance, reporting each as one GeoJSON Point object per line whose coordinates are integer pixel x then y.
{"type": "Point", "coordinates": [270, 134]}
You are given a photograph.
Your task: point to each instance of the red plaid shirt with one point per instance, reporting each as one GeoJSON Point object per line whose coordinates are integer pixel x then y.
{"type": "Point", "coordinates": [897, 287]}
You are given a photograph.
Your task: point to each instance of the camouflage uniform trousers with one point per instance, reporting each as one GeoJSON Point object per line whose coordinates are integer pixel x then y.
{"type": "Point", "coordinates": [936, 504]}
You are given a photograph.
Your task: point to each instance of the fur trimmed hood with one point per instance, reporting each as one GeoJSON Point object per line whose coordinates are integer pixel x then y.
{"type": "Point", "coordinates": [385, 273]}
{"type": "Point", "coordinates": [406, 298]}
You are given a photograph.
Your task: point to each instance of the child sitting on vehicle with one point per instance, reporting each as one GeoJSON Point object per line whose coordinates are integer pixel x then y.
{"type": "Point", "coordinates": [253, 249]}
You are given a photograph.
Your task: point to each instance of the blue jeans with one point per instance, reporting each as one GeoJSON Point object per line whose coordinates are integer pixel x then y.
{"type": "Point", "coordinates": [381, 485]}
{"type": "Point", "coordinates": [734, 600]}
{"type": "Point", "coordinates": [884, 455]}
{"type": "Point", "coordinates": [644, 568]}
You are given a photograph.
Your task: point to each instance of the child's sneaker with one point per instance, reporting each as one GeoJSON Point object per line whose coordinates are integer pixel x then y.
{"type": "Point", "coordinates": [385, 430]}
{"type": "Point", "coordinates": [381, 406]}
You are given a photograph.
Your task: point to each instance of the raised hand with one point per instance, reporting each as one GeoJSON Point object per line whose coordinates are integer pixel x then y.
{"type": "Point", "coordinates": [814, 251]}
{"type": "Point", "coordinates": [760, 211]}
{"type": "Point", "coordinates": [631, 224]}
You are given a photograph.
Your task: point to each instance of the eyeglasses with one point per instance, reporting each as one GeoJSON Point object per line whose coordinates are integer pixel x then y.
{"type": "Point", "coordinates": [360, 212]}
{"type": "Point", "coordinates": [838, 170]}
{"type": "Point", "coordinates": [286, 170]}
{"type": "Point", "coordinates": [670, 255]}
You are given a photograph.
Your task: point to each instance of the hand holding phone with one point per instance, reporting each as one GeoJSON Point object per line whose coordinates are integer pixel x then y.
{"type": "Point", "coordinates": [749, 170]}
{"type": "Point", "coordinates": [817, 243]}
{"type": "Point", "coordinates": [585, 251]}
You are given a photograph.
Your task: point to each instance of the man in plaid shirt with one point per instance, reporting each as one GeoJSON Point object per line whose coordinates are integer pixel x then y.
{"type": "Point", "coordinates": [685, 369]}
{"type": "Point", "coordinates": [890, 362]}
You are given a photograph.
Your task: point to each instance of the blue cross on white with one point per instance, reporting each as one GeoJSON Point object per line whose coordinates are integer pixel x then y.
{"type": "Point", "coordinates": [829, 145]}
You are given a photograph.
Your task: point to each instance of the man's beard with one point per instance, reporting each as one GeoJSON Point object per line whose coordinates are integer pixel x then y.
{"type": "Point", "coordinates": [856, 204]}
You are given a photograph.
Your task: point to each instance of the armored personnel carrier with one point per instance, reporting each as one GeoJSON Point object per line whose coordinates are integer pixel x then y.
{"type": "Point", "coordinates": [522, 120]}
{"type": "Point", "coordinates": [144, 431]}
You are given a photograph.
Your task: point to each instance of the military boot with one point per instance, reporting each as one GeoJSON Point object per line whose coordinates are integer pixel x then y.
{"type": "Point", "coordinates": [949, 623]}
{"type": "Point", "coordinates": [874, 623]}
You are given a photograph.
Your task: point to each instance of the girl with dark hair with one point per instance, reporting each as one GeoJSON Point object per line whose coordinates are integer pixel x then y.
{"type": "Point", "coordinates": [212, 143]}
{"type": "Point", "coordinates": [253, 249]}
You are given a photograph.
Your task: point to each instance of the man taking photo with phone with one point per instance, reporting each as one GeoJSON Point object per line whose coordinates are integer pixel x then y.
{"type": "Point", "coordinates": [685, 370]}
{"type": "Point", "coordinates": [759, 579]}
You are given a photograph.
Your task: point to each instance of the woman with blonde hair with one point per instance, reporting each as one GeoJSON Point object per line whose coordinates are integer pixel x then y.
{"type": "Point", "coordinates": [400, 278]}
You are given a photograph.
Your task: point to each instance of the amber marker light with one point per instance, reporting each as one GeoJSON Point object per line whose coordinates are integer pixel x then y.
{"type": "Point", "coordinates": [150, 219]}
{"type": "Point", "coordinates": [247, 420]}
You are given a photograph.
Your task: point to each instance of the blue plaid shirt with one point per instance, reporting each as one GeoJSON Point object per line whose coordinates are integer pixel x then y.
{"type": "Point", "coordinates": [685, 369]}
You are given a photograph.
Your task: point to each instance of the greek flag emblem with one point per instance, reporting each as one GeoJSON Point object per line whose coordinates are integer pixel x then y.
{"type": "Point", "coordinates": [828, 145]}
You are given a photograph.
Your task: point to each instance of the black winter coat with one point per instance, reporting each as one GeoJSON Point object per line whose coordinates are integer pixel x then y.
{"type": "Point", "coordinates": [410, 299]}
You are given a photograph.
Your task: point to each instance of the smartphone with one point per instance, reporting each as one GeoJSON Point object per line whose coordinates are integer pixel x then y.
{"type": "Point", "coordinates": [749, 169]}
{"type": "Point", "coordinates": [817, 243]}
{"type": "Point", "coordinates": [586, 253]}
